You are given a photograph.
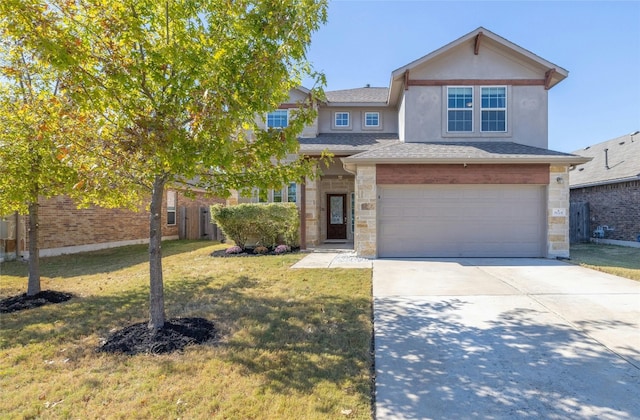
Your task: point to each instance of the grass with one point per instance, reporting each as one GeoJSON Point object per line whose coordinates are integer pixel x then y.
{"type": "Point", "coordinates": [294, 343]}
{"type": "Point", "coordinates": [618, 260]}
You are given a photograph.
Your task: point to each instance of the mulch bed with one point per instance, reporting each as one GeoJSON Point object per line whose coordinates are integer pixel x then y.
{"type": "Point", "coordinates": [176, 334]}
{"type": "Point", "coordinates": [22, 302]}
{"type": "Point", "coordinates": [248, 253]}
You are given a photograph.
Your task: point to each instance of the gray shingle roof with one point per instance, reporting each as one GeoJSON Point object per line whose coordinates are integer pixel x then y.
{"type": "Point", "coordinates": [358, 95]}
{"type": "Point", "coordinates": [491, 151]}
{"type": "Point", "coordinates": [622, 159]}
{"type": "Point", "coordinates": [346, 143]}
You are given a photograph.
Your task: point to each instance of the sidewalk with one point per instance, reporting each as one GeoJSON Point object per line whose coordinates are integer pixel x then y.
{"type": "Point", "coordinates": [332, 258]}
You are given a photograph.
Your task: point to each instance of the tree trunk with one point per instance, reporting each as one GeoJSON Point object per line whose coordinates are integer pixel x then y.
{"type": "Point", "coordinates": [33, 286]}
{"type": "Point", "coordinates": [156, 296]}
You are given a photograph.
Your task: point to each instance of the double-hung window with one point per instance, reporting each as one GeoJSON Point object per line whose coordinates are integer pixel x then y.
{"type": "Point", "coordinates": [342, 120]}
{"type": "Point", "coordinates": [459, 109]}
{"type": "Point", "coordinates": [278, 118]}
{"type": "Point", "coordinates": [372, 119]}
{"type": "Point", "coordinates": [493, 109]}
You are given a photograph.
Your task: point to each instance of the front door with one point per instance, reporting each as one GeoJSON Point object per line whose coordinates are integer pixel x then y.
{"type": "Point", "coordinates": [337, 216]}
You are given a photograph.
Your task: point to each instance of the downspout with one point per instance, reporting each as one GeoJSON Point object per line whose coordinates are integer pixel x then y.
{"type": "Point", "coordinates": [606, 158]}
{"type": "Point", "coordinates": [17, 227]}
{"type": "Point", "coordinates": [303, 215]}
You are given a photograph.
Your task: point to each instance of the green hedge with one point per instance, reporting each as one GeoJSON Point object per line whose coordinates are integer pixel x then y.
{"type": "Point", "coordinates": [272, 224]}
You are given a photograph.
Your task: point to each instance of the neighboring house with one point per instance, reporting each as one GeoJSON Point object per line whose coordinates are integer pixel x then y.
{"type": "Point", "coordinates": [609, 187]}
{"type": "Point", "coordinates": [450, 160]}
{"type": "Point", "coordinates": [65, 229]}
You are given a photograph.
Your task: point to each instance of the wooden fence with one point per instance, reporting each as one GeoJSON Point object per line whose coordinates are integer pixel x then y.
{"type": "Point", "coordinates": [195, 223]}
{"type": "Point", "coordinates": [579, 229]}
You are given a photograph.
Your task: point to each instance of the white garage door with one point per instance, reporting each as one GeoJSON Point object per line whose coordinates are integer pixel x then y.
{"type": "Point", "coordinates": [461, 221]}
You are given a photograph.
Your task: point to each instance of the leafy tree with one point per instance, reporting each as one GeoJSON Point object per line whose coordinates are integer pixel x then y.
{"type": "Point", "coordinates": [35, 118]}
{"type": "Point", "coordinates": [177, 85]}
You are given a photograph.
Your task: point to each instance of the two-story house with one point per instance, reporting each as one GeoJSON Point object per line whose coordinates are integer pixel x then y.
{"type": "Point", "coordinates": [450, 160]}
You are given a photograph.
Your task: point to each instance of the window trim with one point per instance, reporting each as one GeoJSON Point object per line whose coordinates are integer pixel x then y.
{"type": "Point", "coordinates": [334, 121]}
{"type": "Point", "coordinates": [365, 126]}
{"type": "Point", "coordinates": [172, 209]}
{"type": "Point", "coordinates": [472, 109]}
{"type": "Point", "coordinates": [266, 119]}
{"type": "Point", "coordinates": [477, 115]}
{"type": "Point", "coordinates": [505, 109]}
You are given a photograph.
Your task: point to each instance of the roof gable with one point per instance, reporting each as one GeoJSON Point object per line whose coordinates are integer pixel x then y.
{"type": "Point", "coordinates": [615, 160]}
{"type": "Point", "coordinates": [481, 54]}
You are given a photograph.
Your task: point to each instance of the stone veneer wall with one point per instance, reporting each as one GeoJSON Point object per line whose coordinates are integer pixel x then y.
{"type": "Point", "coordinates": [365, 241]}
{"type": "Point", "coordinates": [558, 224]}
{"type": "Point", "coordinates": [312, 212]}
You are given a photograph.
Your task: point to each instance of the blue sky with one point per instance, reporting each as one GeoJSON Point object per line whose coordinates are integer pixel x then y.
{"type": "Point", "coordinates": [597, 42]}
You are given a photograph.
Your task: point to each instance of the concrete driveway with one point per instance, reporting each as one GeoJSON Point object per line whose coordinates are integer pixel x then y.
{"type": "Point", "coordinates": [504, 338]}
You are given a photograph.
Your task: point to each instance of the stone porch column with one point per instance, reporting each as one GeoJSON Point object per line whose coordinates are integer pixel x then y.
{"type": "Point", "coordinates": [365, 235]}
{"type": "Point", "coordinates": [312, 212]}
{"type": "Point", "coordinates": [558, 213]}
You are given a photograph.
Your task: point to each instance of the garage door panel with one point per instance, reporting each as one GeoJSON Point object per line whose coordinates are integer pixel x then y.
{"type": "Point", "coordinates": [461, 221]}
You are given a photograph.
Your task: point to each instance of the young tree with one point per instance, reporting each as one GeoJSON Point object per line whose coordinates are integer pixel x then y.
{"type": "Point", "coordinates": [177, 85]}
{"type": "Point", "coordinates": [35, 117]}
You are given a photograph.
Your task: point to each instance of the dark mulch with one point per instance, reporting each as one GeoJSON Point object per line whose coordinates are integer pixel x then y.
{"type": "Point", "coordinates": [176, 334]}
{"type": "Point", "coordinates": [222, 253]}
{"type": "Point", "coordinates": [22, 302]}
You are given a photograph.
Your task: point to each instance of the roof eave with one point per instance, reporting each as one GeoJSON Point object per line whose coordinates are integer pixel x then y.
{"type": "Point", "coordinates": [558, 160]}
{"type": "Point", "coordinates": [605, 182]}
{"type": "Point", "coordinates": [357, 104]}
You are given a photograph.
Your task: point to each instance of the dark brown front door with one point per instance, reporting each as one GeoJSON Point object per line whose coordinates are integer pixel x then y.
{"type": "Point", "coordinates": [337, 216]}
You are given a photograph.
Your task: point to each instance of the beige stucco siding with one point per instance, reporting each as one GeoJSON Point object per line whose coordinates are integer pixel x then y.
{"type": "Point", "coordinates": [490, 63]}
{"type": "Point", "coordinates": [388, 119]}
{"type": "Point", "coordinates": [425, 117]}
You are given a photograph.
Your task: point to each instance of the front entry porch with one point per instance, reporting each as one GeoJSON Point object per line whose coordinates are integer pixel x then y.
{"type": "Point", "coordinates": [329, 209]}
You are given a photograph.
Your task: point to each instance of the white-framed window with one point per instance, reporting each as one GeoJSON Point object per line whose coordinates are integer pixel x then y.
{"type": "Point", "coordinates": [459, 109]}
{"type": "Point", "coordinates": [286, 194]}
{"type": "Point", "coordinates": [171, 208]}
{"type": "Point", "coordinates": [292, 191]}
{"type": "Point", "coordinates": [341, 120]}
{"type": "Point", "coordinates": [372, 119]}
{"type": "Point", "coordinates": [493, 109]}
{"type": "Point", "coordinates": [278, 118]}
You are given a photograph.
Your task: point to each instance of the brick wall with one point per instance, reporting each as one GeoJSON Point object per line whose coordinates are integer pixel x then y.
{"type": "Point", "coordinates": [64, 225]}
{"type": "Point", "coordinates": [615, 205]}
{"type": "Point", "coordinates": [460, 174]}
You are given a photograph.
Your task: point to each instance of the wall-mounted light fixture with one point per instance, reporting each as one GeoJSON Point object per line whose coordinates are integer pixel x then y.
{"type": "Point", "coordinates": [560, 180]}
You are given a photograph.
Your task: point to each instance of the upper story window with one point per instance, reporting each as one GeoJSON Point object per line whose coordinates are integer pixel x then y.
{"type": "Point", "coordinates": [372, 119]}
{"type": "Point", "coordinates": [459, 109]}
{"type": "Point", "coordinates": [494, 109]}
{"type": "Point", "coordinates": [278, 118]}
{"type": "Point", "coordinates": [342, 119]}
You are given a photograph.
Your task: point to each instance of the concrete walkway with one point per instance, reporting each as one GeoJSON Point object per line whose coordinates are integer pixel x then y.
{"type": "Point", "coordinates": [330, 257]}
{"type": "Point", "coordinates": [504, 339]}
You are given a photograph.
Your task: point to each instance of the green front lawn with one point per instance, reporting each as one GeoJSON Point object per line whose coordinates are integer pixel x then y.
{"type": "Point", "coordinates": [294, 343]}
{"type": "Point", "coordinates": [618, 260]}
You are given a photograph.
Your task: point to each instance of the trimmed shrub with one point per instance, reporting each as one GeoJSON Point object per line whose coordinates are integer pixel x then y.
{"type": "Point", "coordinates": [271, 224]}
{"type": "Point", "coordinates": [260, 250]}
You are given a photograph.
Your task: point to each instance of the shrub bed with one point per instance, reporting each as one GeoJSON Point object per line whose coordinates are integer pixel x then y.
{"type": "Point", "coordinates": [259, 225]}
